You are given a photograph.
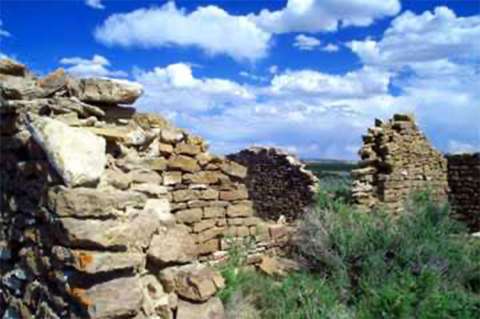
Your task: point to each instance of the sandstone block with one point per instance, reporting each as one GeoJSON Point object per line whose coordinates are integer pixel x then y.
{"type": "Point", "coordinates": [187, 149]}
{"type": "Point", "coordinates": [160, 209]}
{"type": "Point", "coordinates": [93, 262]}
{"type": "Point", "coordinates": [88, 202]}
{"type": "Point", "coordinates": [233, 169]}
{"type": "Point", "coordinates": [172, 178]}
{"type": "Point", "coordinates": [240, 210]}
{"type": "Point", "coordinates": [189, 216]}
{"type": "Point", "coordinates": [136, 232]}
{"type": "Point", "coordinates": [173, 245]}
{"type": "Point", "coordinates": [197, 282]}
{"type": "Point", "coordinates": [76, 154]}
{"type": "Point", "coordinates": [213, 212]}
{"type": "Point", "coordinates": [109, 91]}
{"type": "Point", "coordinates": [212, 309]}
{"type": "Point", "coordinates": [183, 163]}
{"type": "Point", "coordinates": [117, 298]}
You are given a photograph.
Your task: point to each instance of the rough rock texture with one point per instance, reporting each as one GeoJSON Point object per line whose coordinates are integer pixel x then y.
{"type": "Point", "coordinates": [278, 183]}
{"type": "Point", "coordinates": [154, 202]}
{"type": "Point", "coordinates": [77, 155]}
{"type": "Point", "coordinates": [464, 184]}
{"type": "Point", "coordinates": [397, 160]}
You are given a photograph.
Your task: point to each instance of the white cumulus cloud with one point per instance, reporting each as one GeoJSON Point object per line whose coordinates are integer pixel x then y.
{"type": "Point", "coordinates": [97, 66]}
{"type": "Point", "coordinates": [306, 43]}
{"type": "Point", "coordinates": [174, 89]}
{"type": "Point", "coordinates": [425, 37]}
{"type": "Point", "coordinates": [96, 4]}
{"type": "Point", "coordinates": [324, 15]}
{"type": "Point", "coordinates": [209, 28]}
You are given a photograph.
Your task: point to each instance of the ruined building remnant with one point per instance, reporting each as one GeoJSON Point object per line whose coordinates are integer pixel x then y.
{"type": "Point", "coordinates": [110, 213]}
{"type": "Point", "coordinates": [396, 160]}
{"type": "Point", "coordinates": [464, 188]}
{"type": "Point", "coordinates": [278, 183]}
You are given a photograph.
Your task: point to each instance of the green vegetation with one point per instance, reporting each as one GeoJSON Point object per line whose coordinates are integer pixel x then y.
{"type": "Point", "coordinates": [333, 176]}
{"type": "Point", "coordinates": [358, 265]}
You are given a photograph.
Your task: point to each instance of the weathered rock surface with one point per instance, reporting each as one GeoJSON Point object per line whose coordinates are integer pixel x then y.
{"type": "Point", "coordinates": [117, 298]}
{"type": "Point", "coordinates": [464, 185]}
{"type": "Point", "coordinates": [197, 282]}
{"type": "Point", "coordinates": [12, 67]}
{"type": "Point", "coordinates": [109, 91]}
{"type": "Point", "coordinates": [277, 182]}
{"type": "Point", "coordinates": [93, 262]}
{"type": "Point", "coordinates": [397, 160]}
{"type": "Point", "coordinates": [89, 202]}
{"type": "Point", "coordinates": [212, 309]}
{"type": "Point", "coordinates": [102, 200]}
{"type": "Point", "coordinates": [77, 155]}
{"type": "Point", "coordinates": [117, 234]}
{"type": "Point", "coordinates": [173, 245]}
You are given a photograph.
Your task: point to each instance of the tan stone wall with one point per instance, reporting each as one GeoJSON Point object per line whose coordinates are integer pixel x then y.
{"type": "Point", "coordinates": [396, 160]}
{"type": "Point", "coordinates": [279, 184]}
{"type": "Point", "coordinates": [105, 211]}
{"type": "Point", "coordinates": [464, 185]}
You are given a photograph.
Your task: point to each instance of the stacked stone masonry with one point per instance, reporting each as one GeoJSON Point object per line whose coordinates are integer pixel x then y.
{"type": "Point", "coordinates": [464, 188]}
{"type": "Point", "coordinates": [397, 160]}
{"type": "Point", "coordinates": [110, 213]}
{"type": "Point", "coordinates": [278, 183]}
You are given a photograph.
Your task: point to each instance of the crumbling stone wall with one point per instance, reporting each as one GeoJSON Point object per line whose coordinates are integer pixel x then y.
{"type": "Point", "coordinates": [106, 212]}
{"type": "Point", "coordinates": [396, 160]}
{"type": "Point", "coordinates": [464, 188]}
{"type": "Point", "coordinates": [278, 183]}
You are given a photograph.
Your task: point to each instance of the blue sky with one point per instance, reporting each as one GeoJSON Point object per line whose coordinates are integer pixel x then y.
{"type": "Point", "coordinates": [306, 75]}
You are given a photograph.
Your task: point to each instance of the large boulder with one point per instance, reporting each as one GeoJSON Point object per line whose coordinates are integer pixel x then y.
{"type": "Point", "coordinates": [109, 91]}
{"type": "Point", "coordinates": [76, 154]}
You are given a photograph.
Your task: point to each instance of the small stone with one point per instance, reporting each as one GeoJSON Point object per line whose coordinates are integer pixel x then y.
{"type": "Point", "coordinates": [212, 309]}
{"type": "Point", "coordinates": [233, 169]}
{"type": "Point", "coordinates": [213, 212]}
{"type": "Point", "coordinates": [172, 178]}
{"type": "Point", "coordinates": [240, 210]}
{"type": "Point", "coordinates": [187, 149]}
{"type": "Point", "coordinates": [197, 282]}
{"type": "Point", "coordinates": [189, 216]}
{"type": "Point", "coordinates": [171, 136]}
{"type": "Point", "coordinates": [150, 189]}
{"type": "Point", "coordinates": [160, 208]}
{"type": "Point", "coordinates": [183, 163]}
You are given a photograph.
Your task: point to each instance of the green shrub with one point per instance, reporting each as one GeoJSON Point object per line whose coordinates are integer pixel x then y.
{"type": "Point", "coordinates": [369, 265]}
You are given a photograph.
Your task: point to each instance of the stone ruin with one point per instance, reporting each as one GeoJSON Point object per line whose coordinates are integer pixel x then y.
{"type": "Point", "coordinates": [464, 188]}
{"type": "Point", "coordinates": [396, 160]}
{"type": "Point", "coordinates": [110, 213]}
{"type": "Point", "coordinates": [278, 183]}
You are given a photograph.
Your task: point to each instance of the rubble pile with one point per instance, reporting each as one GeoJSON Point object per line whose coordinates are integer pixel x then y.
{"type": "Point", "coordinates": [278, 183]}
{"type": "Point", "coordinates": [110, 213]}
{"type": "Point", "coordinates": [464, 185]}
{"type": "Point", "coordinates": [397, 160]}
